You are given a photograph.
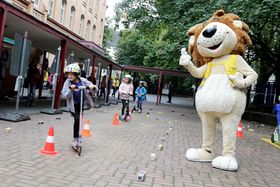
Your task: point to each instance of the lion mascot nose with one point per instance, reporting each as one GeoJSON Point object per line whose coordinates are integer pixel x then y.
{"type": "Point", "coordinates": [208, 33]}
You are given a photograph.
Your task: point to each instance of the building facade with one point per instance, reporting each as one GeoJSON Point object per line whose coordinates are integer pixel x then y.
{"type": "Point", "coordinates": [79, 19]}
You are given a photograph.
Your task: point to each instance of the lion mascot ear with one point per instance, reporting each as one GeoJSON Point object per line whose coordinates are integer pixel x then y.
{"type": "Point", "coordinates": [238, 24]}
{"type": "Point", "coordinates": [219, 13]}
{"type": "Point", "coordinates": [243, 26]}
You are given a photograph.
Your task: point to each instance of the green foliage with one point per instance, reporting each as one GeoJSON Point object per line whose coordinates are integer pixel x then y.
{"type": "Point", "coordinates": [133, 42]}
{"type": "Point", "coordinates": [108, 32]}
{"type": "Point", "coordinates": [155, 30]}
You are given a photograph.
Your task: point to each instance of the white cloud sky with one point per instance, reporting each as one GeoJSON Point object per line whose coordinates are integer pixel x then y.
{"type": "Point", "coordinates": [111, 6]}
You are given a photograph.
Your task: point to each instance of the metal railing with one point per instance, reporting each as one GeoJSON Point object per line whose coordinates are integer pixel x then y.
{"type": "Point", "coordinates": [267, 97]}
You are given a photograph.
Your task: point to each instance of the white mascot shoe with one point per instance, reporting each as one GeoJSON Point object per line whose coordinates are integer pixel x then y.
{"type": "Point", "coordinates": [199, 155]}
{"type": "Point", "coordinates": [228, 163]}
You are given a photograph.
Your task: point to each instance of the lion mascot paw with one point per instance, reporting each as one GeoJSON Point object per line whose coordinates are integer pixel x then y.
{"type": "Point", "coordinates": [228, 163]}
{"type": "Point", "coordinates": [199, 155]}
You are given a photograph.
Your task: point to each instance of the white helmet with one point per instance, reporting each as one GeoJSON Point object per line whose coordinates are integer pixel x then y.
{"type": "Point", "coordinates": [72, 68]}
{"type": "Point", "coordinates": [128, 76]}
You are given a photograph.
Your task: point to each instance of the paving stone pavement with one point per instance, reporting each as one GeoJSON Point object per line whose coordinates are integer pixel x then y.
{"type": "Point", "coordinates": [114, 155]}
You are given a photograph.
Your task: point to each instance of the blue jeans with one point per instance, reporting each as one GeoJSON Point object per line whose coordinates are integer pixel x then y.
{"type": "Point", "coordinates": [139, 102]}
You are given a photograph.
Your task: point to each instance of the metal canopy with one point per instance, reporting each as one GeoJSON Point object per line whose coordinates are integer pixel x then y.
{"type": "Point", "coordinates": [40, 38]}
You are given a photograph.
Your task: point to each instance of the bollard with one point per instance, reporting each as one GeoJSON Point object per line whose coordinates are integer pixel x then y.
{"type": "Point", "coordinates": [141, 176]}
{"type": "Point", "coordinates": [8, 130]}
{"type": "Point", "coordinates": [153, 156]}
{"type": "Point", "coordinates": [160, 147]}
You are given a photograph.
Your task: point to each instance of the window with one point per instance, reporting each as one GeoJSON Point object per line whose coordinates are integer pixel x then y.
{"type": "Point", "coordinates": [93, 33]}
{"type": "Point", "coordinates": [101, 30]}
{"type": "Point", "coordinates": [62, 11]}
{"type": "Point", "coordinates": [87, 30]}
{"type": "Point", "coordinates": [84, 3]}
{"type": "Point", "coordinates": [81, 25]}
{"type": "Point", "coordinates": [50, 8]}
{"type": "Point", "coordinates": [71, 18]}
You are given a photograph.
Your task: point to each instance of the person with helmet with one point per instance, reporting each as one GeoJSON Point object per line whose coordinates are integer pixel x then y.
{"type": "Point", "coordinates": [125, 91]}
{"type": "Point", "coordinates": [73, 97]}
{"type": "Point", "coordinates": [140, 96]}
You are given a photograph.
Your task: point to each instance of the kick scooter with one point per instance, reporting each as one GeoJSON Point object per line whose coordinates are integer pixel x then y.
{"type": "Point", "coordinates": [78, 147]}
{"type": "Point", "coordinates": [127, 116]}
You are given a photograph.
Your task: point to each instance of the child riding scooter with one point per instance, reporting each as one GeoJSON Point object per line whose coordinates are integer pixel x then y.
{"type": "Point", "coordinates": [74, 89]}
{"type": "Point", "coordinates": [125, 90]}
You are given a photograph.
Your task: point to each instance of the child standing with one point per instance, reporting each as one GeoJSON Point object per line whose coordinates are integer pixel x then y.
{"type": "Point", "coordinates": [141, 94]}
{"type": "Point", "coordinates": [73, 97]}
{"type": "Point", "coordinates": [125, 90]}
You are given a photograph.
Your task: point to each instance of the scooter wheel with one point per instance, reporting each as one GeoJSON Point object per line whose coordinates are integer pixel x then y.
{"type": "Point", "coordinates": [128, 118]}
{"type": "Point", "coordinates": [79, 150]}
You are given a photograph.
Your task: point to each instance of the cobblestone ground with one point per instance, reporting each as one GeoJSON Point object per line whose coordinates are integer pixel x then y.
{"type": "Point", "coordinates": [114, 155]}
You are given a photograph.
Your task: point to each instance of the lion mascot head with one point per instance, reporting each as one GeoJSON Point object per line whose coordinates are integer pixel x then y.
{"type": "Point", "coordinates": [222, 34]}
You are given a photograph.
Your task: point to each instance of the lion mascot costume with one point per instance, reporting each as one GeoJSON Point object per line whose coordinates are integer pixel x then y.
{"type": "Point", "coordinates": [217, 47]}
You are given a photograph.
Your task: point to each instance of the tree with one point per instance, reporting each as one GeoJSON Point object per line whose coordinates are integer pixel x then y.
{"type": "Point", "coordinates": [132, 48]}
{"type": "Point", "coordinates": [163, 23]}
{"type": "Point", "coordinates": [108, 32]}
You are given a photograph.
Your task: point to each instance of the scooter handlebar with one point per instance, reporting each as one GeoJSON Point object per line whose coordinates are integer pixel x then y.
{"type": "Point", "coordinates": [81, 87]}
{"type": "Point", "coordinates": [127, 94]}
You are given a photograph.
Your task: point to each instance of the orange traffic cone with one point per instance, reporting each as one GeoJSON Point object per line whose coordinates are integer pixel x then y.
{"type": "Point", "coordinates": [239, 133]}
{"type": "Point", "coordinates": [49, 145]}
{"type": "Point", "coordinates": [116, 119]}
{"type": "Point", "coordinates": [86, 130]}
